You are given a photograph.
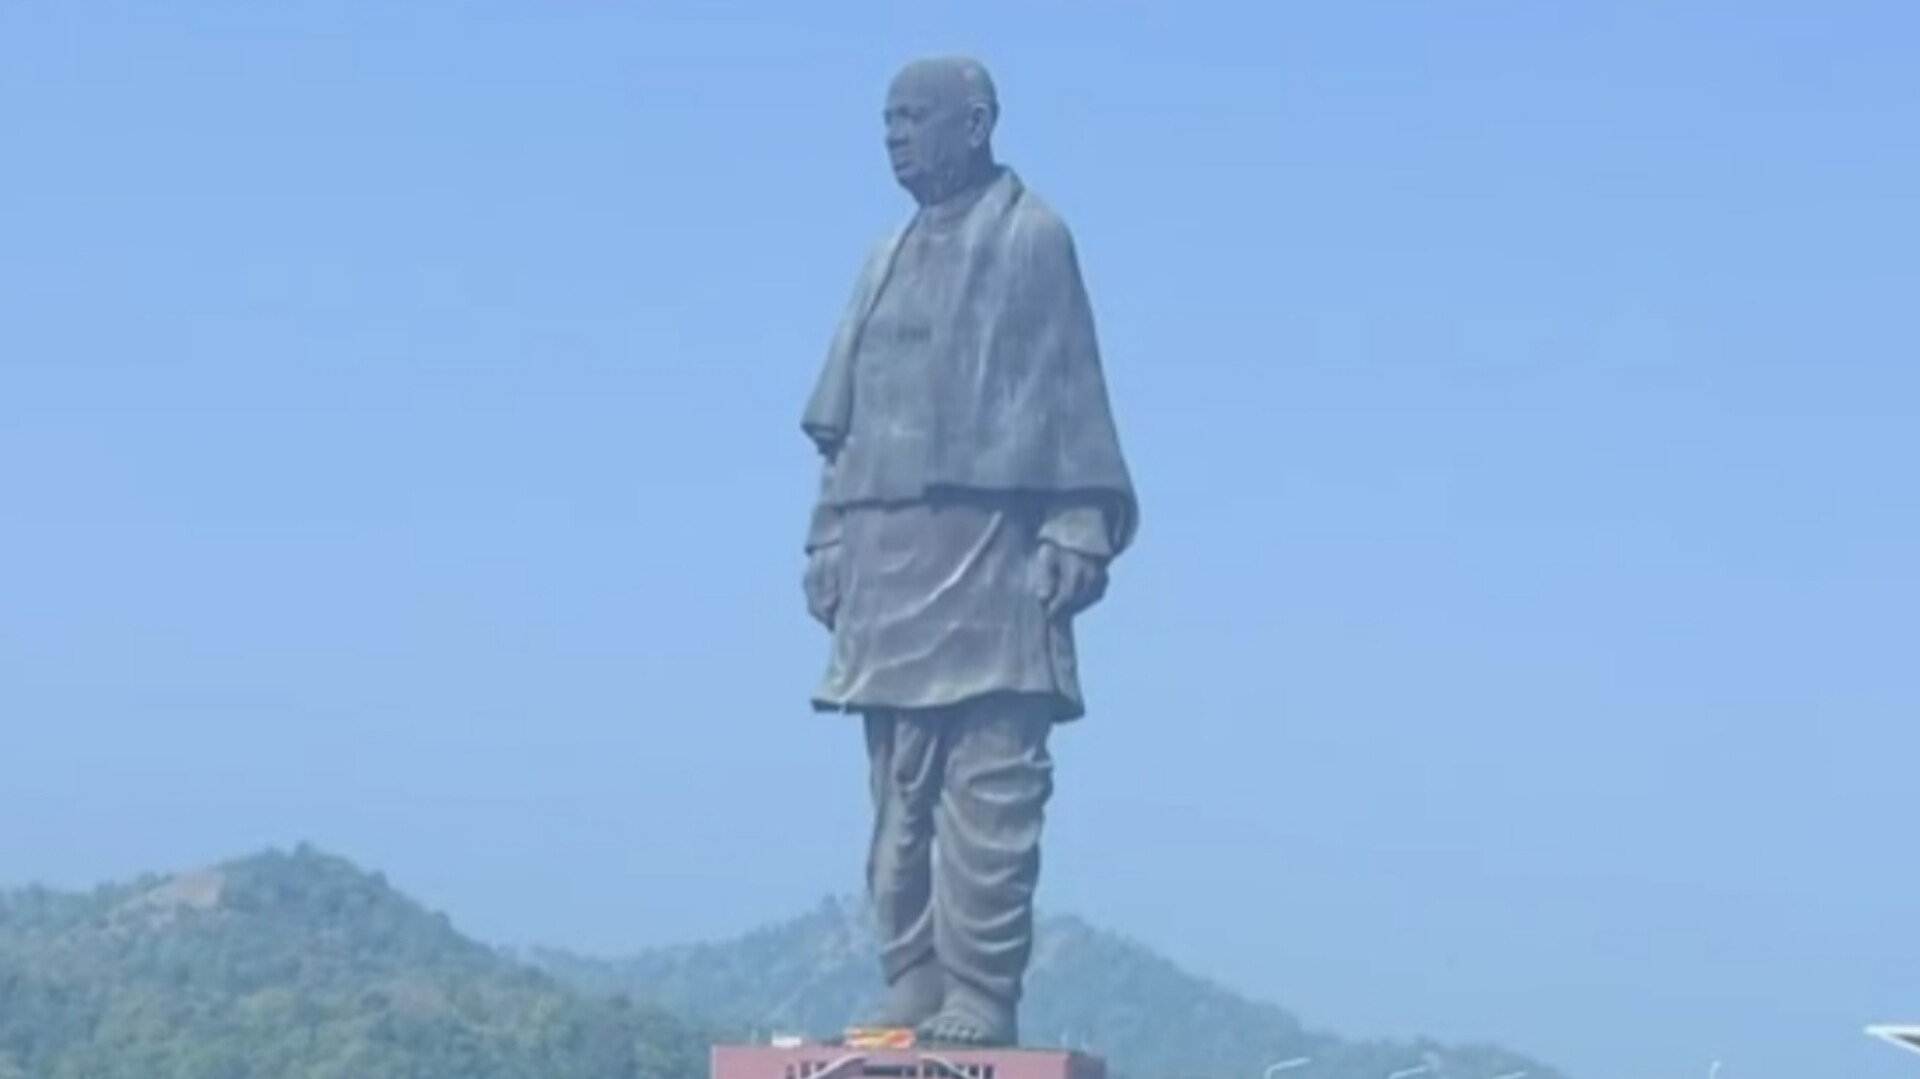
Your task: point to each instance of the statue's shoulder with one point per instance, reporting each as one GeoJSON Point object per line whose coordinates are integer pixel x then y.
{"type": "Point", "coordinates": [1038, 225]}
{"type": "Point", "coordinates": [1040, 235]}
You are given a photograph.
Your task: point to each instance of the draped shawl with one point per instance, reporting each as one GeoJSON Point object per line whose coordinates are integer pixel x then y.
{"type": "Point", "coordinates": [1019, 399]}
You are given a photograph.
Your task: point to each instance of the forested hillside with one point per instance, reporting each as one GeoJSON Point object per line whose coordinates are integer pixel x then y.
{"type": "Point", "coordinates": [295, 966]}
{"type": "Point", "coordinates": [298, 965]}
{"type": "Point", "coordinates": [1087, 988]}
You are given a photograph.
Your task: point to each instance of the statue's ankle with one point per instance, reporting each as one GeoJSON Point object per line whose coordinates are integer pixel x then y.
{"type": "Point", "coordinates": [913, 994]}
{"type": "Point", "coordinates": [922, 973]}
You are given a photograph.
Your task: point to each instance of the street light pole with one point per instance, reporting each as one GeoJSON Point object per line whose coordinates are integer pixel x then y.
{"type": "Point", "coordinates": [1905, 1036]}
{"type": "Point", "coordinates": [1279, 1066]}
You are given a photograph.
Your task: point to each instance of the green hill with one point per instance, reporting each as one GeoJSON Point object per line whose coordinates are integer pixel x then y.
{"type": "Point", "coordinates": [295, 966]}
{"type": "Point", "coordinates": [1087, 988]}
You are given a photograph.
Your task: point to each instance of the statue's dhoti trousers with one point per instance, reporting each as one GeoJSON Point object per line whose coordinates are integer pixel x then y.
{"type": "Point", "coordinates": [959, 796]}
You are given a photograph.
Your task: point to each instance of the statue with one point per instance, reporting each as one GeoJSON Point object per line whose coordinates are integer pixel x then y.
{"type": "Point", "coordinates": [972, 496]}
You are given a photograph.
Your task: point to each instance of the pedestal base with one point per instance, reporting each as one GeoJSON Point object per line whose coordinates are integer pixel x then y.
{"type": "Point", "coordinates": [920, 1062]}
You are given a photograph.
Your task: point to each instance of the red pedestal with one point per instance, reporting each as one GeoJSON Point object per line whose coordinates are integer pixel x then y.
{"type": "Point", "coordinates": [924, 1062]}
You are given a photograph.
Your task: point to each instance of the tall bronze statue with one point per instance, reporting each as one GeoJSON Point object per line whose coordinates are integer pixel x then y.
{"type": "Point", "coordinates": [973, 494]}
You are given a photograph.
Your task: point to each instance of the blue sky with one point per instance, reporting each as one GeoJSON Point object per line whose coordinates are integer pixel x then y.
{"type": "Point", "coordinates": [399, 450]}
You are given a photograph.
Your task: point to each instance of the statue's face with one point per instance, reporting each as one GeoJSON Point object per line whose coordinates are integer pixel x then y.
{"type": "Point", "coordinates": [932, 132]}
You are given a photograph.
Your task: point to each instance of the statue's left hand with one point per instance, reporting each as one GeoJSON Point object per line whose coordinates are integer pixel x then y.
{"type": "Point", "coordinates": [1070, 582]}
{"type": "Point", "coordinates": [822, 584]}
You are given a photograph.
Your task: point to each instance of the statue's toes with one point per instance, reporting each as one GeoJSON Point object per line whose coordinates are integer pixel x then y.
{"type": "Point", "coordinates": [952, 1033]}
{"type": "Point", "coordinates": [955, 1030]}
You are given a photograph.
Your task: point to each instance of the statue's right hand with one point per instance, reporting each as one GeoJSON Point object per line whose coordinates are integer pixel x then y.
{"type": "Point", "coordinates": [822, 583]}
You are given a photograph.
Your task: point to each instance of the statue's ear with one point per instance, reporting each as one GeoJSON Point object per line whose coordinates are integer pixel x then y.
{"type": "Point", "coordinates": [980, 121]}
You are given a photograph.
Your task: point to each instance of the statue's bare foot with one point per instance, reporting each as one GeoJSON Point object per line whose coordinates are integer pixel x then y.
{"type": "Point", "coordinates": [970, 1018]}
{"type": "Point", "coordinates": [912, 999]}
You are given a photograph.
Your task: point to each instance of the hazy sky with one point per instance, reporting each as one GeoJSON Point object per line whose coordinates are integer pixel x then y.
{"type": "Point", "coordinates": [399, 450]}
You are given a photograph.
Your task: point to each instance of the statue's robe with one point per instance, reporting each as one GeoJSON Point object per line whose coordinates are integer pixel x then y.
{"type": "Point", "coordinates": [963, 415]}
{"type": "Point", "coordinates": [963, 419]}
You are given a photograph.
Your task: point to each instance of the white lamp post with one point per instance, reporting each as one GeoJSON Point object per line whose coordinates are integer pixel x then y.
{"type": "Point", "coordinates": [1279, 1066]}
{"type": "Point", "coordinates": [1905, 1036]}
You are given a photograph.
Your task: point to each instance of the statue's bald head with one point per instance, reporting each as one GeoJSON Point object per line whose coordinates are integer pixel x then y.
{"type": "Point", "coordinates": [959, 81]}
{"type": "Point", "coordinates": [940, 116]}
